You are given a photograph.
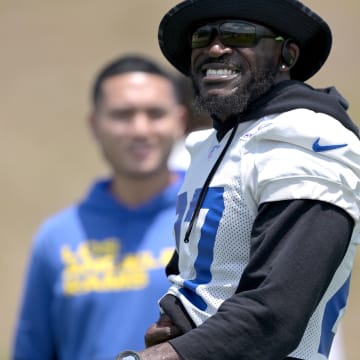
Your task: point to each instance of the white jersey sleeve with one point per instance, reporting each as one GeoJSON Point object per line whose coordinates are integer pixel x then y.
{"type": "Point", "coordinates": [304, 155]}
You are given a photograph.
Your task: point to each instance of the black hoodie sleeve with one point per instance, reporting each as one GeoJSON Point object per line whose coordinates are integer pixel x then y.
{"type": "Point", "coordinates": [296, 247]}
{"type": "Point", "coordinates": [172, 268]}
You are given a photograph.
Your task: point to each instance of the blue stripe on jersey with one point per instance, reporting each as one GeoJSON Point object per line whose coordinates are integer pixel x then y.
{"type": "Point", "coordinates": [331, 315]}
{"type": "Point", "coordinates": [180, 210]}
{"type": "Point", "coordinates": [214, 202]}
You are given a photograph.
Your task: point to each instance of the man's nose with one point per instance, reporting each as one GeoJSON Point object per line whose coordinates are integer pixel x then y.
{"type": "Point", "coordinates": [140, 123]}
{"type": "Point", "coordinates": [217, 49]}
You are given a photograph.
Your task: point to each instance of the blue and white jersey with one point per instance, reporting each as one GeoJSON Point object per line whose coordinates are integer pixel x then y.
{"type": "Point", "coordinates": [299, 154]}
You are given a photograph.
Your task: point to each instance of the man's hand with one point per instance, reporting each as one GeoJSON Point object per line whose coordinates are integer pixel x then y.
{"type": "Point", "coordinates": [163, 330]}
{"type": "Point", "coordinates": [162, 351]}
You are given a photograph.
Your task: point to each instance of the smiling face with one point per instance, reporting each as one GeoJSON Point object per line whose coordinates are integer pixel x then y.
{"type": "Point", "coordinates": [136, 122]}
{"type": "Point", "coordinates": [227, 78]}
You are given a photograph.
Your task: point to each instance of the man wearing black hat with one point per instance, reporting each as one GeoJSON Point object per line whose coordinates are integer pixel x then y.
{"type": "Point", "coordinates": [269, 210]}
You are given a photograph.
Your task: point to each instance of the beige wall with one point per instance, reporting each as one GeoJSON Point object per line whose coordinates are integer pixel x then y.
{"type": "Point", "coordinates": [49, 52]}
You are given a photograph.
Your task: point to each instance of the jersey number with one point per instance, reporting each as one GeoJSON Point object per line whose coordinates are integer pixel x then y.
{"type": "Point", "coordinates": [214, 206]}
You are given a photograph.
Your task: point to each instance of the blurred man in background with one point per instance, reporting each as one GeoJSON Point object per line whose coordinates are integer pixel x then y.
{"type": "Point", "coordinates": [96, 269]}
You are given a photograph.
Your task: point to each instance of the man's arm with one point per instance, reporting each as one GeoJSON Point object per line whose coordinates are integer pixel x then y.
{"type": "Point", "coordinates": [33, 333]}
{"type": "Point", "coordinates": [296, 248]}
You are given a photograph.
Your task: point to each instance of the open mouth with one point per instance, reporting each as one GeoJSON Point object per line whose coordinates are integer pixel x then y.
{"type": "Point", "coordinates": [212, 73]}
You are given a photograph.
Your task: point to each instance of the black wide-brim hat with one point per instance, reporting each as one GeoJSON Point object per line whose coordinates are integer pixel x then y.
{"type": "Point", "coordinates": [288, 18]}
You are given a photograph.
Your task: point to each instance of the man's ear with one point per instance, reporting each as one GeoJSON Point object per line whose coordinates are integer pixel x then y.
{"type": "Point", "coordinates": [290, 52]}
{"type": "Point", "coordinates": [183, 118]}
{"type": "Point", "coordinates": [91, 123]}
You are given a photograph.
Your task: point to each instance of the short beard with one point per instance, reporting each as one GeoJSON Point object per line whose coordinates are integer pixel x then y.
{"type": "Point", "coordinates": [238, 102]}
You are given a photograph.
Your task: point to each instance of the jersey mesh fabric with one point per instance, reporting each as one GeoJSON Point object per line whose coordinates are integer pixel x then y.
{"type": "Point", "coordinates": [271, 159]}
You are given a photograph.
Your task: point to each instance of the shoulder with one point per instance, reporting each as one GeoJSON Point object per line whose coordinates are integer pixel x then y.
{"type": "Point", "coordinates": [304, 154]}
{"type": "Point", "coordinates": [56, 224]}
{"type": "Point", "coordinates": [196, 138]}
{"type": "Point", "coordinates": [304, 130]}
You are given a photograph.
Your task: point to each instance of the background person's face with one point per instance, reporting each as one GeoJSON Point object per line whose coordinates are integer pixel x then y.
{"type": "Point", "coordinates": [137, 122]}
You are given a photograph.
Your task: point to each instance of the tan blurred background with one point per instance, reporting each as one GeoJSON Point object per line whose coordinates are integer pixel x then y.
{"type": "Point", "coordinates": [49, 53]}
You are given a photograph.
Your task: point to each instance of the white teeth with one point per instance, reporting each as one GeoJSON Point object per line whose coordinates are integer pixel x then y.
{"type": "Point", "coordinates": [220, 72]}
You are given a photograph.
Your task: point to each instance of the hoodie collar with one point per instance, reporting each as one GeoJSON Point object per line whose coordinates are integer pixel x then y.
{"type": "Point", "coordinates": [289, 95]}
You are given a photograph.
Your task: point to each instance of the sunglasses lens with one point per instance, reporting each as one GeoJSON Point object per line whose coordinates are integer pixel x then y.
{"type": "Point", "coordinates": [201, 37]}
{"type": "Point", "coordinates": [238, 34]}
{"type": "Point", "coordinates": [238, 40]}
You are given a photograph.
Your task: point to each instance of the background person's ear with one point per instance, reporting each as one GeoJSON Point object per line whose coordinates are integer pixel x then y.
{"type": "Point", "coordinates": [183, 117]}
{"type": "Point", "coordinates": [91, 123]}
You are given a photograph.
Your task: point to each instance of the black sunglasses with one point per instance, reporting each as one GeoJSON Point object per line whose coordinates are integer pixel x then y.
{"type": "Point", "coordinates": [232, 33]}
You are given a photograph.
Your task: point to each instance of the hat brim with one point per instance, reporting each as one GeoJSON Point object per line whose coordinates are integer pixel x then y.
{"type": "Point", "coordinates": [289, 18]}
